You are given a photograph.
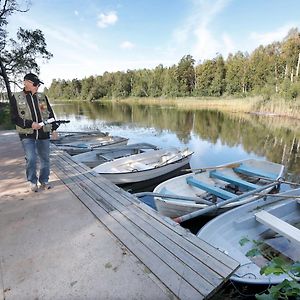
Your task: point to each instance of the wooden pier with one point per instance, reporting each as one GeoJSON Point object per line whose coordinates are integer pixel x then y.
{"type": "Point", "coordinates": [186, 265]}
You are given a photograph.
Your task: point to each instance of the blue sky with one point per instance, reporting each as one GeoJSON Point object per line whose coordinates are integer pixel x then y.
{"type": "Point", "coordinates": [89, 37]}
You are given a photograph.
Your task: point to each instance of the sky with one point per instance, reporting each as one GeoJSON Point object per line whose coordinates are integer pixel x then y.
{"type": "Point", "coordinates": [90, 37]}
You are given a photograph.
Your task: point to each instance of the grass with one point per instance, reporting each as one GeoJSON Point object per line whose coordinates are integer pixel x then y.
{"type": "Point", "coordinates": [277, 106]}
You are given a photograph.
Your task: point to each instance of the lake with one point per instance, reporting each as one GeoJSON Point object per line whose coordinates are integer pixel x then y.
{"type": "Point", "coordinates": [215, 137]}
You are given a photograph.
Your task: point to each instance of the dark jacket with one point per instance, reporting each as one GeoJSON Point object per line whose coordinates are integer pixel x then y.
{"type": "Point", "coordinates": [35, 114]}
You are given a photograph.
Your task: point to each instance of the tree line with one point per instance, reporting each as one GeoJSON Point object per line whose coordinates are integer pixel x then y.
{"type": "Point", "coordinates": [268, 70]}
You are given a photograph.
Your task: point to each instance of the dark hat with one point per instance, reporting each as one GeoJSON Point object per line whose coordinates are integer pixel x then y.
{"type": "Point", "coordinates": [32, 77]}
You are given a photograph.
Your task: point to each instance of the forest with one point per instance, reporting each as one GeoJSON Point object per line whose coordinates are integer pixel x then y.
{"type": "Point", "coordinates": [269, 71]}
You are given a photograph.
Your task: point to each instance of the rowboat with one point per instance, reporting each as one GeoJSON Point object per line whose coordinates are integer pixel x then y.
{"type": "Point", "coordinates": [102, 155]}
{"type": "Point", "coordinates": [272, 221]}
{"type": "Point", "coordinates": [144, 166]}
{"type": "Point", "coordinates": [239, 180]}
{"type": "Point", "coordinates": [75, 143]}
{"type": "Point", "coordinates": [73, 136]}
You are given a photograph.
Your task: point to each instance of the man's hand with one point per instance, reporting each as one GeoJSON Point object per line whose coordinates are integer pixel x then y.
{"type": "Point", "coordinates": [36, 126]}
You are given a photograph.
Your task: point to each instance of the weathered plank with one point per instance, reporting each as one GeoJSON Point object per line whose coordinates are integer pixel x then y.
{"type": "Point", "coordinates": [289, 231]}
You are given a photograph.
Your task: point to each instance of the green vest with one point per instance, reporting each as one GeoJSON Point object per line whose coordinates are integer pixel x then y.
{"type": "Point", "coordinates": [25, 113]}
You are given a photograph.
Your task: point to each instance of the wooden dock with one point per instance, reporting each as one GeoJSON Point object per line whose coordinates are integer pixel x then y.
{"type": "Point", "coordinates": [186, 265]}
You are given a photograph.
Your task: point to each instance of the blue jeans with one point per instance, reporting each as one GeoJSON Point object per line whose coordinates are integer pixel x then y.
{"type": "Point", "coordinates": [37, 149]}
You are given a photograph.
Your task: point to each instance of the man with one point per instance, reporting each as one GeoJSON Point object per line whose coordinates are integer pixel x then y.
{"type": "Point", "coordinates": [29, 110]}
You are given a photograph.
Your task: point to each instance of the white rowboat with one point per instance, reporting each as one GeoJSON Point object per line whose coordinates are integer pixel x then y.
{"type": "Point", "coordinates": [216, 185]}
{"type": "Point", "coordinates": [144, 166]}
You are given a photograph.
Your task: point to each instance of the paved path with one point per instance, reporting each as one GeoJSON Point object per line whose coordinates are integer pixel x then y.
{"type": "Point", "coordinates": [52, 247]}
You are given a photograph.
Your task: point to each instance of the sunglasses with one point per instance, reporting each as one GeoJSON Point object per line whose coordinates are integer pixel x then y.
{"type": "Point", "coordinates": [34, 83]}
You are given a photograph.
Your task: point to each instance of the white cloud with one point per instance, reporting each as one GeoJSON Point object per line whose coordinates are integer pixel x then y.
{"type": "Point", "coordinates": [270, 37]}
{"type": "Point", "coordinates": [197, 33]}
{"type": "Point", "coordinates": [127, 45]}
{"type": "Point", "coordinates": [76, 13]}
{"type": "Point", "coordinates": [107, 19]}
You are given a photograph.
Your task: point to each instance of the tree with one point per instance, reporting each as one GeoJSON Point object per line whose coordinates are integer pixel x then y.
{"type": "Point", "coordinates": [19, 56]}
{"type": "Point", "coordinates": [236, 73]}
{"type": "Point", "coordinates": [186, 75]}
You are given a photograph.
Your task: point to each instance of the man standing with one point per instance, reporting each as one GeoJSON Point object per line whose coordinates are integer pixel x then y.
{"type": "Point", "coordinates": [29, 110]}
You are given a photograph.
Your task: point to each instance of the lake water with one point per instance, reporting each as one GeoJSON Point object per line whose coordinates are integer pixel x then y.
{"type": "Point", "coordinates": [215, 137]}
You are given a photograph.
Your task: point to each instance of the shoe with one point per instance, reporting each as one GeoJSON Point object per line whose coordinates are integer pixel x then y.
{"type": "Point", "coordinates": [46, 186]}
{"type": "Point", "coordinates": [33, 187]}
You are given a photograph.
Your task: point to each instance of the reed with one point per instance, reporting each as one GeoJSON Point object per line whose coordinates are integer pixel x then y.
{"type": "Point", "coordinates": [255, 104]}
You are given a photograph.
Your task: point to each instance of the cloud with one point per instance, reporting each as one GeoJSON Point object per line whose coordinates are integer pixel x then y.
{"type": "Point", "coordinates": [270, 37]}
{"type": "Point", "coordinates": [107, 19]}
{"type": "Point", "coordinates": [76, 13]}
{"type": "Point", "coordinates": [196, 31]}
{"type": "Point", "coordinates": [127, 45]}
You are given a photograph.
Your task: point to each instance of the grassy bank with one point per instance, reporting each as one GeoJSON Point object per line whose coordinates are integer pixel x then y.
{"type": "Point", "coordinates": [289, 108]}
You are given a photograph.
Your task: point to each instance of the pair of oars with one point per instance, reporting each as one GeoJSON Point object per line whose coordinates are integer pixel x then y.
{"type": "Point", "coordinates": [201, 170]}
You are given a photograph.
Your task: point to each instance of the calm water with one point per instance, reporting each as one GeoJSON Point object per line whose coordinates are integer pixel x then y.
{"type": "Point", "coordinates": [215, 137]}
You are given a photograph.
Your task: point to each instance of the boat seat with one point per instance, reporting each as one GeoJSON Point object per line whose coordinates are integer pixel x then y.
{"type": "Point", "coordinates": [278, 225]}
{"type": "Point", "coordinates": [139, 166]}
{"type": "Point", "coordinates": [250, 171]}
{"type": "Point", "coordinates": [209, 188]}
{"type": "Point", "coordinates": [233, 180]}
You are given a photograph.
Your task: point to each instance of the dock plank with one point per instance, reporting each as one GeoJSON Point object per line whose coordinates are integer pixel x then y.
{"type": "Point", "coordinates": [189, 267]}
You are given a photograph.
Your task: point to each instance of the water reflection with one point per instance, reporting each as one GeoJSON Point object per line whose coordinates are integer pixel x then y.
{"type": "Point", "coordinates": [215, 137]}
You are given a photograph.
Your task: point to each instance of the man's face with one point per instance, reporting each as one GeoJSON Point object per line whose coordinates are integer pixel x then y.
{"type": "Point", "coordinates": [31, 86]}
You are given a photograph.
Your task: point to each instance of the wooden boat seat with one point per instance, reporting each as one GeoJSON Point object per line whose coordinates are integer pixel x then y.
{"type": "Point", "coordinates": [233, 180]}
{"type": "Point", "coordinates": [209, 188]}
{"type": "Point", "coordinates": [278, 225]}
{"type": "Point", "coordinates": [250, 171]}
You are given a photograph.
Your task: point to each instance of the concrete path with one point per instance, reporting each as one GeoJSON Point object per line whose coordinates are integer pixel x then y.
{"type": "Point", "coordinates": [52, 247]}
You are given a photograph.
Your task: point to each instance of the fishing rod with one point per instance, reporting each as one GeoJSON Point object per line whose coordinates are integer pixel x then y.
{"type": "Point", "coordinates": [52, 120]}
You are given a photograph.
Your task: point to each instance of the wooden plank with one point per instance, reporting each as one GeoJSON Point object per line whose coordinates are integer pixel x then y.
{"type": "Point", "coordinates": [174, 281]}
{"type": "Point", "coordinates": [104, 190]}
{"type": "Point", "coordinates": [83, 182]}
{"type": "Point", "coordinates": [278, 225]}
{"type": "Point", "coordinates": [233, 180]}
{"type": "Point", "coordinates": [210, 257]}
{"type": "Point", "coordinates": [172, 226]}
{"type": "Point", "coordinates": [102, 183]}
{"type": "Point", "coordinates": [209, 188]}
{"type": "Point", "coordinates": [246, 170]}
{"type": "Point", "coordinates": [167, 256]}
{"type": "Point", "coordinates": [164, 243]}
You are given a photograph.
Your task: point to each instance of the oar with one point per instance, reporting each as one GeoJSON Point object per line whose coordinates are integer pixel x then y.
{"type": "Point", "coordinates": [200, 170]}
{"type": "Point", "coordinates": [178, 197]}
{"type": "Point", "coordinates": [211, 208]}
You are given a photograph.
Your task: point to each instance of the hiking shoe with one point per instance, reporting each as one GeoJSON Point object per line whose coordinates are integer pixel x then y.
{"type": "Point", "coordinates": [33, 187]}
{"type": "Point", "coordinates": [46, 186]}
